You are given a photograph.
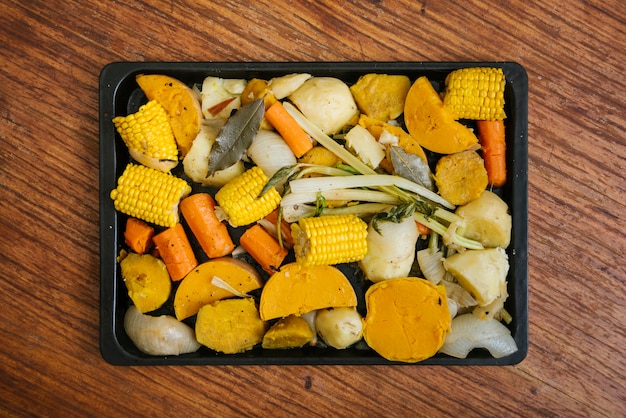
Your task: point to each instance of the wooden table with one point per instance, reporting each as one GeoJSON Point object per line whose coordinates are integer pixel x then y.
{"type": "Point", "coordinates": [52, 53]}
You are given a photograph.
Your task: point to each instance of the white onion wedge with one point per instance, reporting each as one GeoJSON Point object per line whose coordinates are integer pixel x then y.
{"type": "Point", "coordinates": [159, 335]}
{"type": "Point", "coordinates": [470, 332]}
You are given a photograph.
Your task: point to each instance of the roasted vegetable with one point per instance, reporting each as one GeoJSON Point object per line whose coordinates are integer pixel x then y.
{"type": "Point", "coordinates": [198, 288]}
{"type": "Point", "coordinates": [296, 290]}
{"type": "Point", "coordinates": [390, 249]}
{"type": "Point", "coordinates": [339, 327]}
{"type": "Point", "coordinates": [147, 281]}
{"type": "Point", "coordinates": [432, 124]}
{"type": "Point", "coordinates": [149, 195]}
{"type": "Point", "coordinates": [240, 199]}
{"type": "Point", "coordinates": [470, 332]}
{"type": "Point", "coordinates": [475, 93]}
{"type": "Point", "coordinates": [159, 335]}
{"type": "Point", "coordinates": [381, 96]}
{"type": "Point", "coordinates": [487, 220]}
{"type": "Point", "coordinates": [461, 177]}
{"type": "Point", "coordinates": [407, 319]}
{"type": "Point", "coordinates": [290, 332]}
{"type": "Point", "coordinates": [230, 326]}
{"type": "Point", "coordinates": [179, 101]}
{"type": "Point", "coordinates": [480, 272]}
{"type": "Point", "coordinates": [327, 102]}
{"type": "Point", "coordinates": [175, 250]}
{"type": "Point", "coordinates": [196, 162]}
{"type": "Point", "coordinates": [331, 239]}
{"type": "Point", "coordinates": [148, 136]}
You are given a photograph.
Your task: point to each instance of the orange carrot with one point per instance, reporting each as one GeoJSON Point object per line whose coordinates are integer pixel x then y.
{"type": "Point", "coordinates": [138, 235]}
{"type": "Point", "coordinates": [491, 136]}
{"type": "Point", "coordinates": [175, 251]}
{"type": "Point", "coordinates": [264, 248]}
{"type": "Point", "coordinates": [285, 228]}
{"type": "Point", "coordinates": [422, 229]}
{"type": "Point", "coordinates": [199, 212]}
{"type": "Point", "coordinates": [288, 128]}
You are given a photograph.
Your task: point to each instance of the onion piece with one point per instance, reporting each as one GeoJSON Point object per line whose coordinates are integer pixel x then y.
{"type": "Point", "coordinates": [159, 335]}
{"type": "Point", "coordinates": [222, 284]}
{"type": "Point", "coordinates": [270, 152]}
{"type": "Point", "coordinates": [431, 265]}
{"type": "Point", "coordinates": [470, 332]}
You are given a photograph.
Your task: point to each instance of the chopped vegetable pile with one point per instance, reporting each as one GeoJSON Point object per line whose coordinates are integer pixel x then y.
{"type": "Point", "coordinates": [312, 212]}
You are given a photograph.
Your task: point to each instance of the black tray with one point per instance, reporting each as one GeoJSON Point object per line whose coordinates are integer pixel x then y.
{"type": "Point", "coordinates": [120, 95]}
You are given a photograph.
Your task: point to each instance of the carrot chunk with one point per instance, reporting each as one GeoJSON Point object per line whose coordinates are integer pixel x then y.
{"type": "Point", "coordinates": [175, 251]}
{"type": "Point", "coordinates": [138, 235]}
{"type": "Point", "coordinates": [212, 235]}
{"type": "Point", "coordinates": [288, 128]}
{"type": "Point", "coordinates": [491, 137]}
{"type": "Point", "coordinates": [264, 248]}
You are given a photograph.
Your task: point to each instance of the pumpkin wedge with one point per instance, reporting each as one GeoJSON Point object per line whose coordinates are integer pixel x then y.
{"type": "Point", "coordinates": [431, 124]}
{"type": "Point", "coordinates": [296, 290]}
{"type": "Point", "coordinates": [181, 104]}
{"type": "Point", "coordinates": [197, 288]}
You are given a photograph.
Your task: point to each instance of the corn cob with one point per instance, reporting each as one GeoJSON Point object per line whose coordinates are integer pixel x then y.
{"type": "Point", "coordinates": [329, 239]}
{"type": "Point", "coordinates": [149, 136]}
{"type": "Point", "coordinates": [476, 93]}
{"type": "Point", "coordinates": [239, 198]}
{"type": "Point", "coordinates": [149, 194]}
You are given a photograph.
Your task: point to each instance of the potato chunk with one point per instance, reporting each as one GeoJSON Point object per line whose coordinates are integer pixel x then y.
{"type": "Point", "coordinates": [381, 96]}
{"type": "Point", "coordinates": [487, 220]}
{"type": "Point", "coordinates": [480, 272]}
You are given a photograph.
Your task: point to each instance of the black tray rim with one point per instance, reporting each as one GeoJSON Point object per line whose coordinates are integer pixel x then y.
{"type": "Point", "coordinates": [114, 73]}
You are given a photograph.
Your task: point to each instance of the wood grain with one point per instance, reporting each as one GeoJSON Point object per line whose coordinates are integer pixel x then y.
{"type": "Point", "coordinates": [52, 53]}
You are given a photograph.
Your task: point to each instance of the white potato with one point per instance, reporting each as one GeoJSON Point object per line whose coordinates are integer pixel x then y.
{"type": "Point", "coordinates": [390, 253]}
{"type": "Point", "coordinates": [196, 162]}
{"type": "Point", "coordinates": [327, 102]}
{"type": "Point", "coordinates": [339, 327]}
{"type": "Point", "coordinates": [283, 86]}
{"type": "Point", "coordinates": [481, 272]}
{"type": "Point", "coordinates": [487, 220]}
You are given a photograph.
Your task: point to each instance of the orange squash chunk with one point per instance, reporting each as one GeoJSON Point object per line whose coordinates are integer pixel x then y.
{"type": "Point", "coordinates": [296, 290]}
{"type": "Point", "coordinates": [432, 124]}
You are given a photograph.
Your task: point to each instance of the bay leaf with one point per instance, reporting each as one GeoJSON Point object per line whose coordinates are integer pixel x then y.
{"type": "Point", "coordinates": [412, 167]}
{"type": "Point", "coordinates": [236, 136]}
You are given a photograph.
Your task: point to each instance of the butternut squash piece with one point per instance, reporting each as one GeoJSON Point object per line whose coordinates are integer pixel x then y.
{"type": "Point", "coordinates": [431, 123]}
{"type": "Point", "coordinates": [147, 281]}
{"type": "Point", "coordinates": [230, 326]}
{"type": "Point", "coordinates": [407, 319]}
{"type": "Point", "coordinates": [197, 290]}
{"type": "Point", "coordinates": [296, 290]}
{"type": "Point", "coordinates": [290, 332]}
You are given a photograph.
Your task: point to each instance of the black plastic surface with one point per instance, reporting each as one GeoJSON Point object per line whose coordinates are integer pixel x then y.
{"type": "Point", "coordinates": [120, 95]}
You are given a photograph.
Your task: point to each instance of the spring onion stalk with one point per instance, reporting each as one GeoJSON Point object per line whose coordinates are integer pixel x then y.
{"type": "Point", "coordinates": [295, 212]}
{"type": "Point", "coordinates": [361, 195]}
{"type": "Point", "coordinates": [317, 184]}
{"type": "Point", "coordinates": [448, 234]}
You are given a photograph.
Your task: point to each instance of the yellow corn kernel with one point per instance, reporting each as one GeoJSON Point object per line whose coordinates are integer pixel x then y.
{"type": "Point", "coordinates": [148, 133]}
{"type": "Point", "coordinates": [476, 93]}
{"type": "Point", "coordinates": [329, 239]}
{"type": "Point", "coordinates": [239, 198]}
{"type": "Point", "coordinates": [148, 194]}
